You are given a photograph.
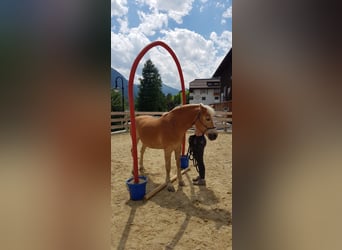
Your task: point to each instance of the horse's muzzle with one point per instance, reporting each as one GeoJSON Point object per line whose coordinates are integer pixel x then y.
{"type": "Point", "coordinates": [212, 136]}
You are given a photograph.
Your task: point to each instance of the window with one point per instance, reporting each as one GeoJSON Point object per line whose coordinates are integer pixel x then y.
{"type": "Point", "coordinates": [191, 97]}
{"type": "Point", "coordinates": [203, 98]}
{"type": "Point", "coordinates": [216, 97]}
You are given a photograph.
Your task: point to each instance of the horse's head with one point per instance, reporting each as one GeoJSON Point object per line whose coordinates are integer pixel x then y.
{"type": "Point", "coordinates": [205, 122]}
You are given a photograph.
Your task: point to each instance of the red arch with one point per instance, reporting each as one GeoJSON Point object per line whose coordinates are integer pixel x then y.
{"type": "Point", "coordinates": [131, 98]}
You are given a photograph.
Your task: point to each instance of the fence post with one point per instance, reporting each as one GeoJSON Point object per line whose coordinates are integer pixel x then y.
{"type": "Point", "coordinates": [225, 123]}
{"type": "Point", "coordinates": [126, 120]}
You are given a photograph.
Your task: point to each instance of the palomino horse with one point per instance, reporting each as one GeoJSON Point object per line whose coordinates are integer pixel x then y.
{"type": "Point", "coordinates": [167, 132]}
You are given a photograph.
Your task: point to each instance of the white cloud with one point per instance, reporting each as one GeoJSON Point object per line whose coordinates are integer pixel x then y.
{"type": "Point", "coordinates": [151, 22]}
{"type": "Point", "coordinates": [227, 13]}
{"type": "Point", "coordinates": [124, 49]}
{"type": "Point", "coordinates": [119, 8]}
{"type": "Point", "coordinates": [197, 56]}
{"type": "Point", "coordinates": [175, 9]}
{"type": "Point", "coordinates": [223, 41]}
{"type": "Point", "coordinates": [219, 5]}
{"type": "Point", "coordinates": [123, 23]}
{"type": "Point", "coordinates": [191, 45]}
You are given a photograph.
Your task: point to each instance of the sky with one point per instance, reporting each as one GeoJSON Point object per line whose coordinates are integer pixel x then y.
{"type": "Point", "coordinates": [198, 31]}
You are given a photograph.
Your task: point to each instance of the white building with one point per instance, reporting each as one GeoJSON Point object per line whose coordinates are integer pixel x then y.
{"type": "Point", "coordinates": [206, 91]}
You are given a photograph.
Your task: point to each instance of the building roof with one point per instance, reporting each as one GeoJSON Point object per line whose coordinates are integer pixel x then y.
{"type": "Point", "coordinates": [225, 64]}
{"type": "Point", "coordinates": [206, 79]}
{"type": "Point", "coordinates": [204, 87]}
{"type": "Point", "coordinates": [204, 83]}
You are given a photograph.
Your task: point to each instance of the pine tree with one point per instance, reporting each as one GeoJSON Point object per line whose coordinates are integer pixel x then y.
{"type": "Point", "coordinates": [150, 96]}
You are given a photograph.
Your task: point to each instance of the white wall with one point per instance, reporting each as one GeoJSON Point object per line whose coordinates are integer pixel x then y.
{"type": "Point", "coordinates": [209, 96]}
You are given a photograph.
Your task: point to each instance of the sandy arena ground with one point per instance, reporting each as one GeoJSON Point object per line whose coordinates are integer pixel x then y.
{"type": "Point", "coordinates": [193, 217]}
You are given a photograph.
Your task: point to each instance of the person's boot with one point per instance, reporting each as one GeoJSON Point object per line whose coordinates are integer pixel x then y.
{"type": "Point", "coordinates": [199, 182]}
{"type": "Point", "coordinates": [196, 179]}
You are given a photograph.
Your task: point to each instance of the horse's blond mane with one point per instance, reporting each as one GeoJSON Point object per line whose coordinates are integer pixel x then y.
{"type": "Point", "coordinates": [210, 110]}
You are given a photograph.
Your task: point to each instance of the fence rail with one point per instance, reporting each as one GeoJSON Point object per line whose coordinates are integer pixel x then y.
{"type": "Point", "coordinates": [121, 120]}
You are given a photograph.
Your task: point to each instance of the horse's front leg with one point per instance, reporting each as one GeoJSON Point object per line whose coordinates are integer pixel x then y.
{"type": "Point", "coordinates": [141, 160]}
{"type": "Point", "coordinates": [167, 156]}
{"type": "Point", "coordinates": [177, 158]}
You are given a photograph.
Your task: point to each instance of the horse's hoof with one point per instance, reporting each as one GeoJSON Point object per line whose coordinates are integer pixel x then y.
{"type": "Point", "coordinates": [170, 188]}
{"type": "Point", "coordinates": [181, 183]}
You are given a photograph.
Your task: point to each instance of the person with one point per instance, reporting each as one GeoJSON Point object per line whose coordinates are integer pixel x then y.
{"type": "Point", "coordinates": [197, 143]}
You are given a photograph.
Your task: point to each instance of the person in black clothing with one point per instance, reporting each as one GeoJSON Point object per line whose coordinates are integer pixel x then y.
{"type": "Point", "coordinates": [197, 143]}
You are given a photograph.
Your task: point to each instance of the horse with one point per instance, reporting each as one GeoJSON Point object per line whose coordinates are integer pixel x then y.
{"type": "Point", "coordinates": [167, 132]}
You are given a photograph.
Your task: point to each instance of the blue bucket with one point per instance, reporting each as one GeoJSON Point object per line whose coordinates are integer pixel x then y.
{"type": "Point", "coordinates": [137, 191]}
{"type": "Point", "coordinates": [184, 161]}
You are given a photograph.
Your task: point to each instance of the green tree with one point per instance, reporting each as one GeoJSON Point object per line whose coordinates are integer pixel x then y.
{"type": "Point", "coordinates": [115, 98]}
{"type": "Point", "coordinates": [150, 96]}
{"type": "Point", "coordinates": [169, 102]}
{"type": "Point", "coordinates": [177, 98]}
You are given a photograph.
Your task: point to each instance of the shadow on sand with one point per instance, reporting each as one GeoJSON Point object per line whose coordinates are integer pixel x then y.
{"type": "Point", "coordinates": [181, 202]}
{"type": "Point", "coordinates": [134, 206]}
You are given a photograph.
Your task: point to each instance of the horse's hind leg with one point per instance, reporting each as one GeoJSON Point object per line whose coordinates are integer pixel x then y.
{"type": "Point", "coordinates": [141, 160]}
{"type": "Point", "coordinates": [141, 153]}
{"type": "Point", "coordinates": [177, 158]}
{"type": "Point", "coordinates": [167, 156]}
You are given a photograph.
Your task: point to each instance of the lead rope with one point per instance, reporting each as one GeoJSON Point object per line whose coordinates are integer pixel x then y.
{"type": "Point", "coordinates": [190, 153]}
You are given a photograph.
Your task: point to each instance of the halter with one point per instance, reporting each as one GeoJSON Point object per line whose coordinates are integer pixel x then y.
{"type": "Point", "coordinates": [198, 118]}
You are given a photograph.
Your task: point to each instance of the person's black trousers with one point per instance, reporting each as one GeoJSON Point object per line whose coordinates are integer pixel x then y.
{"type": "Point", "coordinates": [198, 144]}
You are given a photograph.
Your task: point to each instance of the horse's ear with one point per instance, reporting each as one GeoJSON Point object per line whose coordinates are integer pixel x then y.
{"type": "Point", "coordinates": [202, 107]}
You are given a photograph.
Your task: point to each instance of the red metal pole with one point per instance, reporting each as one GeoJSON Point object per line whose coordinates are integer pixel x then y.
{"type": "Point", "coordinates": [131, 99]}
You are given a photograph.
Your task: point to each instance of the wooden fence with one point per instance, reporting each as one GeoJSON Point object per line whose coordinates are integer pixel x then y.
{"type": "Point", "coordinates": [121, 120]}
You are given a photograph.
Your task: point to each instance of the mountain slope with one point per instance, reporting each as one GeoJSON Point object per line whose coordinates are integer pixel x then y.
{"type": "Point", "coordinates": [114, 74]}
{"type": "Point", "coordinates": [169, 90]}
